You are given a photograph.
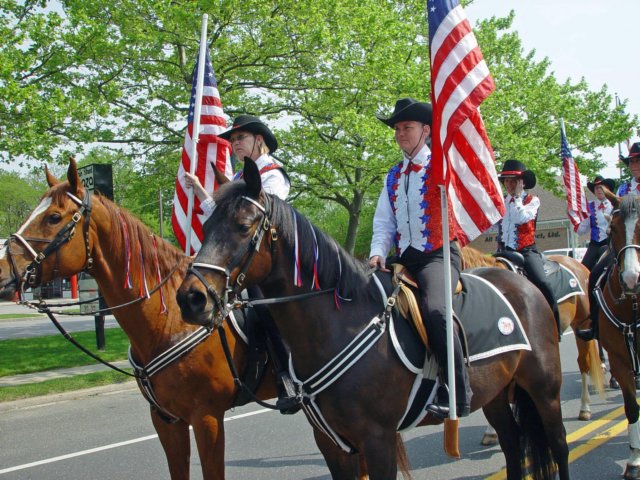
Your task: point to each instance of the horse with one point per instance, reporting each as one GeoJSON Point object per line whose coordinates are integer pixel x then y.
{"type": "Point", "coordinates": [114, 247]}
{"type": "Point", "coordinates": [357, 399]}
{"type": "Point", "coordinates": [618, 299]}
{"type": "Point", "coordinates": [574, 313]}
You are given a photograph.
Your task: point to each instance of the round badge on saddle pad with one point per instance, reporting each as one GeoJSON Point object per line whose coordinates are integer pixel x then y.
{"type": "Point", "coordinates": [506, 325]}
{"type": "Point", "coordinates": [573, 283]}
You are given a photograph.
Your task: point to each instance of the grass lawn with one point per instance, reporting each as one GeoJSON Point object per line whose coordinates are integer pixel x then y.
{"type": "Point", "coordinates": [60, 385]}
{"type": "Point", "coordinates": [4, 316]}
{"type": "Point", "coordinates": [28, 355]}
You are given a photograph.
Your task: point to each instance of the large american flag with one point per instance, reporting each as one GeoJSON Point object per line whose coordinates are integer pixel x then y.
{"type": "Point", "coordinates": [461, 151]}
{"type": "Point", "coordinates": [576, 201]}
{"type": "Point", "coordinates": [210, 149]}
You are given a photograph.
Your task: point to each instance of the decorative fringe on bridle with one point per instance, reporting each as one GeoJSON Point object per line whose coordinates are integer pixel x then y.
{"type": "Point", "coordinates": [158, 275]}
{"type": "Point", "coordinates": [127, 252]}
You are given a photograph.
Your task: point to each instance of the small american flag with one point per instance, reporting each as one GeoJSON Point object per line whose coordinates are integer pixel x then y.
{"type": "Point", "coordinates": [461, 150]}
{"type": "Point", "coordinates": [576, 201]}
{"type": "Point", "coordinates": [210, 149]}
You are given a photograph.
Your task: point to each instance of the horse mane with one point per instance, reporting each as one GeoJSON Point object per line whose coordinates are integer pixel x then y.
{"type": "Point", "coordinates": [335, 267]}
{"type": "Point", "coordinates": [140, 240]}
{"type": "Point", "coordinates": [472, 257]}
{"type": "Point", "coordinates": [628, 203]}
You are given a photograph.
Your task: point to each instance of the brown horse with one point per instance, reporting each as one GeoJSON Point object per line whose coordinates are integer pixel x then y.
{"type": "Point", "coordinates": [197, 388]}
{"type": "Point", "coordinates": [574, 313]}
{"type": "Point", "coordinates": [357, 403]}
{"type": "Point", "coordinates": [619, 314]}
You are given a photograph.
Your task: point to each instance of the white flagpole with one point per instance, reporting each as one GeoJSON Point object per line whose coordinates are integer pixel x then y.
{"type": "Point", "coordinates": [448, 300]}
{"type": "Point", "coordinates": [196, 125]}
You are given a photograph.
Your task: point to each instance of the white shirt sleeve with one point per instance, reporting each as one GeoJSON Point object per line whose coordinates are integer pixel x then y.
{"type": "Point", "coordinates": [384, 226]}
{"type": "Point", "coordinates": [208, 206]}
{"type": "Point", "coordinates": [525, 213]}
{"type": "Point", "coordinates": [275, 183]}
{"type": "Point", "coordinates": [584, 226]}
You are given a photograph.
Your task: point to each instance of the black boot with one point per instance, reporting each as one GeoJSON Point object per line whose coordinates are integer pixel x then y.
{"type": "Point", "coordinates": [592, 333]}
{"type": "Point", "coordinates": [288, 402]}
{"type": "Point", "coordinates": [440, 409]}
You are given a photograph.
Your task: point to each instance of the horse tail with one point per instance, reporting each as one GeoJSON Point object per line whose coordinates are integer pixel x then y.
{"type": "Point", "coordinates": [402, 458]}
{"type": "Point", "coordinates": [595, 368]}
{"type": "Point", "coordinates": [534, 446]}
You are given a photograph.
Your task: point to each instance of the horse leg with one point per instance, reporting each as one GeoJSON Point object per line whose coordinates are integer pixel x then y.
{"type": "Point", "coordinates": [500, 417]}
{"type": "Point", "coordinates": [381, 455]}
{"type": "Point", "coordinates": [584, 365]}
{"type": "Point", "coordinates": [176, 443]}
{"type": "Point", "coordinates": [343, 466]}
{"type": "Point", "coordinates": [621, 371]}
{"type": "Point", "coordinates": [209, 434]}
{"type": "Point", "coordinates": [490, 436]}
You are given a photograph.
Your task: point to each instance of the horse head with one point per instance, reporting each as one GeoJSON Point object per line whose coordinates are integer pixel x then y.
{"type": "Point", "coordinates": [46, 246]}
{"type": "Point", "coordinates": [236, 250]}
{"type": "Point", "coordinates": [625, 240]}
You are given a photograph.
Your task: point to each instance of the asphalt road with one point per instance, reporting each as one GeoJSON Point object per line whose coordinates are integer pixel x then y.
{"type": "Point", "coordinates": [40, 325]}
{"type": "Point", "coordinates": [108, 435]}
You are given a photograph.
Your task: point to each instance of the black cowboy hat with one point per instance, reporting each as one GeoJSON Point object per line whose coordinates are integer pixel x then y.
{"type": "Point", "coordinates": [251, 124]}
{"type": "Point", "coordinates": [516, 169]}
{"type": "Point", "coordinates": [408, 109]}
{"type": "Point", "coordinates": [600, 180]}
{"type": "Point", "coordinates": [634, 152]}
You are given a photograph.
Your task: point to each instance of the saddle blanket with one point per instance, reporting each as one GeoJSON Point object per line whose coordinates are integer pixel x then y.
{"type": "Point", "coordinates": [562, 281]}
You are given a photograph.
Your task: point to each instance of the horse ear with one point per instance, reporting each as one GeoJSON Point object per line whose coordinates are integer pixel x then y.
{"type": "Point", "coordinates": [51, 180]}
{"type": "Point", "coordinates": [221, 178]}
{"type": "Point", "coordinates": [74, 179]}
{"type": "Point", "coordinates": [252, 178]}
{"type": "Point", "coordinates": [612, 197]}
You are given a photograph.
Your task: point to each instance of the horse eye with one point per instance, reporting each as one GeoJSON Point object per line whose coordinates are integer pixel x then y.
{"type": "Point", "coordinates": [54, 218]}
{"type": "Point", "coordinates": [244, 227]}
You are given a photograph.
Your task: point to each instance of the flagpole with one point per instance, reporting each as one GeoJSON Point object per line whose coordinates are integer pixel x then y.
{"type": "Point", "coordinates": [196, 125]}
{"type": "Point", "coordinates": [619, 147]}
{"type": "Point", "coordinates": [448, 300]}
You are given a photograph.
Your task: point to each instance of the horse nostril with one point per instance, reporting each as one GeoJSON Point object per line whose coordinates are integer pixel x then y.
{"type": "Point", "coordinates": [196, 301]}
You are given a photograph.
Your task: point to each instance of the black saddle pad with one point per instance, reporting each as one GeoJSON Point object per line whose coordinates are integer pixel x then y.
{"type": "Point", "coordinates": [490, 323]}
{"type": "Point", "coordinates": [562, 281]}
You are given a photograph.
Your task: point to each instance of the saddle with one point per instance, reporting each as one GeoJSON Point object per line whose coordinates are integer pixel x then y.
{"type": "Point", "coordinates": [408, 299]}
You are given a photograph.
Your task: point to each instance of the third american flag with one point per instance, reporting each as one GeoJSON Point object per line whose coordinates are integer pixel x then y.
{"type": "Point", "coordinates": [576, 201]}
{"type": "Point", "coordinates": [462, 154]}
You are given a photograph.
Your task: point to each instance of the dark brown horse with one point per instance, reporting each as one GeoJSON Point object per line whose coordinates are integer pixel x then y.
{"type": "Point", "coordinates": [619, 316]}
{"type": "Point", "coordinates": [574, 314]}
{"type": "Point", "coordinates": [254, 242]}
{"type": "Point", "coordinates": [197, 388]}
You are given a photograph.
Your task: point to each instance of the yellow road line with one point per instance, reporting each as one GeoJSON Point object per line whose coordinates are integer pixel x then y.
{"type": "Point", "coordinates": [591, 444]}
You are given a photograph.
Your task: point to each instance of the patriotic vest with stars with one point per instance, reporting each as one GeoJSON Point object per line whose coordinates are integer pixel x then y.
{"type": "Point", "coordinates": [263, 170]}
{"type": "Point", "coordinates": [628, 188]}
{"type": "Point", "coordinates": [415, 202]}
{"type": "Point", "coordinates": [598, 221]}
{"type": "Point", "coordinates": [513, 235]}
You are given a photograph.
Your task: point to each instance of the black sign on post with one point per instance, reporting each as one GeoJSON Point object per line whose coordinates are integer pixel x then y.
{"type": "Point", "coordinates": [98, 177]}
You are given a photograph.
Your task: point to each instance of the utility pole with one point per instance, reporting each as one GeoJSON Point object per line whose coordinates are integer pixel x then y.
{"type": "Point", "coordinates": [619, 147]}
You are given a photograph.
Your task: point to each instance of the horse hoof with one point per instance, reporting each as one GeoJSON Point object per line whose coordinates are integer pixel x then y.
{"type": "Point", "coordinates": [632, 472]}
{"type": "Point", "coordinates": [584, 415]}
{"type": "Point", "coordinates": [613, 383]}
{"type": "Point", "coordinates": [489, 439]}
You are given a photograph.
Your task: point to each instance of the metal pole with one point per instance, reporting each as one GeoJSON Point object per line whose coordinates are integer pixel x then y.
{"type": "Point", "coordinates": [619, 147]}
{"type": "Point", "coordinates": [196, 125]}
{"type": "Point", "coordinates": [446, 250]}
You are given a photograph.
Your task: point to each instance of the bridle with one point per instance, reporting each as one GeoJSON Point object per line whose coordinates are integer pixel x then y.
{"type": "Point", "coordinates": [617, 260]}
{"type": "Point", "coordinates": [32, 273]}
{"type": "Point", "coordinates": [222, 305]}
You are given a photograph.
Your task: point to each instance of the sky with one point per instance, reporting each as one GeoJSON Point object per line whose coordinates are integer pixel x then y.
{"type": "Point", "coordinates": [582, 38]}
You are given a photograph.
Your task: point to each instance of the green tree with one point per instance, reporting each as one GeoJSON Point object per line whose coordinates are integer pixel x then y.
{"type": "Point", "coordinates": [20, 196]}
{"type": "Point", "coordinates": [117, 73]}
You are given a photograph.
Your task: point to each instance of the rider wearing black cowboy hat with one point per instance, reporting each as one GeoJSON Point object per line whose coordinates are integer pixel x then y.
{"type": "Point", "coordinates": [632, 187]}
{"type": "Point", "coordinates": [408, 217]}
{"type": "Point", "coordinates": [517, 228]}
{"type": "Point", "coordinates": [597, 223]}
